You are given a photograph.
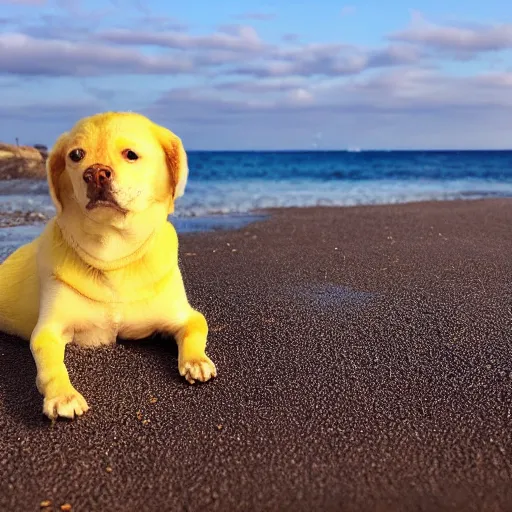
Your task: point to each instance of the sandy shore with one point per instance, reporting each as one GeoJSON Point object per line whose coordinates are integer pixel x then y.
{"type": "Point", "coordinates": [365, 363]}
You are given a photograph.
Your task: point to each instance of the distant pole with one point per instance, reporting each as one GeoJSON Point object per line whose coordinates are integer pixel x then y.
{"type": "Point", "coordinates": [17, 142]}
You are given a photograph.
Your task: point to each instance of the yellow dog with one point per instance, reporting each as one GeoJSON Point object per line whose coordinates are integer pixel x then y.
{"type": "Point", "coordinates": [107, 264]}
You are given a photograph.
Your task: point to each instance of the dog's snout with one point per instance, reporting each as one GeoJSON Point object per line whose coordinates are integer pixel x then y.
{"type": "Point", "coordinates": [98, 175]}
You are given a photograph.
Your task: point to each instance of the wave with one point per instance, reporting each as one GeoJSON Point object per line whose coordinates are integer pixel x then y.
{"type": "Point", "coordinates": [205, 198]}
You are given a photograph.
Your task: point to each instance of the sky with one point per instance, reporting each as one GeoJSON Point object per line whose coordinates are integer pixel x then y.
{"type": "Point", "coordinates": [267, 74]}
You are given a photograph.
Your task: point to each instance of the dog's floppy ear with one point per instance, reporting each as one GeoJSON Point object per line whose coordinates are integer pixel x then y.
{"type": "Point", "coordinates": [55, 165]}
{"type": "Point", "coordinates": [176, 159]}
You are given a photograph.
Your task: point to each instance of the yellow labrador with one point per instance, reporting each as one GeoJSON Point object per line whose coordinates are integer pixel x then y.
{"type": "Point", "coordinates": [107, 264]}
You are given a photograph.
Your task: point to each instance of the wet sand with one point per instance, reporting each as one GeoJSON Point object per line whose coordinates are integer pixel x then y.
{"type": "Point", "coordinates": [365, 363]}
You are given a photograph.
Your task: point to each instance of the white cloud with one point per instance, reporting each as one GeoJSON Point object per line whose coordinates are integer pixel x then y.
{"type": "Point", "coordinates": [269, 90]}
{"type": "Point", "coordinates": [25, 55]}
{"type": "Point", "coordinates": [23, 2]}
{"type": "Point", "coordinates": [231, 37]}
{"type": "Point", "coordinates": [300, 96]}
{"type": "Point", "coordinates": [456, 38]}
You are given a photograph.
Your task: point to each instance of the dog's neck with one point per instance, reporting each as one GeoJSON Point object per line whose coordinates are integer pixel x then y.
{"type": "Point", "coordinates": [109, 246]}
{"type": "Point", "coordinates": [147, 268]}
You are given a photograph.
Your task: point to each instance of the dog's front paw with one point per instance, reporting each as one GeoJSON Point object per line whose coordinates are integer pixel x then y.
{"type": "Point", "coordinates": [66, 405]}
{"type": "Point", "coordinates": [199, 368]}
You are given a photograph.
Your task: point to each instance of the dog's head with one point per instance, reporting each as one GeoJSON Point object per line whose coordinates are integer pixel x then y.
{"type": "Point", "coordinates": [116, 163]}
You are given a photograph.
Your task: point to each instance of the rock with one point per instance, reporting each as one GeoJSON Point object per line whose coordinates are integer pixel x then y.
{"type": "Point", "coordinates": [42, 149]}
{"type": "Point", "coordinates": [17, 218]}
{"type": "Point", "coordinates": [18, 162]}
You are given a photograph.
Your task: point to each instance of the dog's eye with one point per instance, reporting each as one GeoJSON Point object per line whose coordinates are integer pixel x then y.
{"type": "Point", "coordinates": [77, 154]}
{"type": "Point", "coordinates": [130, 155]}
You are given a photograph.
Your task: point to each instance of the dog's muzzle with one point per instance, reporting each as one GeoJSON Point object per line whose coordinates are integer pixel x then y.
{"type": "Point", "coordinates": [99, 179]}
{"type": "Point", "coordinates": [98, 176]}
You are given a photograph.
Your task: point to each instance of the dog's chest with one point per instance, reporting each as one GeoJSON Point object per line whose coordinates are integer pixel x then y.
{"type": "Point", "coordinates": [100, 323]}
{"type": "Point", "coordinates": [102, 330]}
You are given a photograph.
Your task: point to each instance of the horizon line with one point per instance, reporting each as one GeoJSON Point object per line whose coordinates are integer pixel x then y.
{"type": "Point", "coordinates": [358, 150]}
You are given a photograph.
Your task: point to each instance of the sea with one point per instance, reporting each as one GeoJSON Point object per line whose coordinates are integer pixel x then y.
{"type": "Point", "coordinates": [227, 189]}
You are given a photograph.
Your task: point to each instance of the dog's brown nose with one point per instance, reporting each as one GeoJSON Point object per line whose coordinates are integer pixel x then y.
{"type": "Point", "coordinates": [98, 175]}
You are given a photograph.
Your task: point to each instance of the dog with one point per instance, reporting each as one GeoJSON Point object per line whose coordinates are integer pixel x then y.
{"type": "Point", "coordinates": [106, 265]}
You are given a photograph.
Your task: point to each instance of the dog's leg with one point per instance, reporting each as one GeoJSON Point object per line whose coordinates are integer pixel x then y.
{"type": "Point", "coordinates": [193, 363]}
{"type": "Point", "coordinates": [60, 397]}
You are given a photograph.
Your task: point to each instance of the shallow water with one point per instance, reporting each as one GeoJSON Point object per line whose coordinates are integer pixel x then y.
{"type": "Point", "coordinates": [13, 237]}
{"type": "Point", "coordinates": [214, 222]}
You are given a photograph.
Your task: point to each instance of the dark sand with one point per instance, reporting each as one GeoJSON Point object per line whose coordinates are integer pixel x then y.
{"type": "Point", "coordinates": [365, 363]}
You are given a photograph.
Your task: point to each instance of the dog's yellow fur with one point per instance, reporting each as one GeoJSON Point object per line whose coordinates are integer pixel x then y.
{"type": "Point", "coordinates": [95, 274]}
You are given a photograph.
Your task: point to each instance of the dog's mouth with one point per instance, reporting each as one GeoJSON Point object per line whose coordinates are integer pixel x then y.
{"type": "Point", "coordinates": [100, 194]}
{"type": "Point", "coordinates": [105, 201]}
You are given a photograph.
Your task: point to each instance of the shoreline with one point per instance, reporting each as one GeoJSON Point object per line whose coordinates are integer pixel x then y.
{"type": "Point", "coordinates": [235, 220]}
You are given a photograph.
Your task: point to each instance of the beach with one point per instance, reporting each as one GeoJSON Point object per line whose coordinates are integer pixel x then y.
{"type": "Point", "coordinates": [364, 362]}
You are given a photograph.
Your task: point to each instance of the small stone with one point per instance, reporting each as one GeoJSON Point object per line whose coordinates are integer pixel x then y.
{"type": "Point", "coordinates": [45, 504]}
{"type": "Point", "coordinates": [66, 507]}
{"type": "Point", "coordinates": [153, 400]}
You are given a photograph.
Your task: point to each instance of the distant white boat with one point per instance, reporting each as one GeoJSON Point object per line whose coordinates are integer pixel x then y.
{"type": "Point", "coordinates": [354, 150]}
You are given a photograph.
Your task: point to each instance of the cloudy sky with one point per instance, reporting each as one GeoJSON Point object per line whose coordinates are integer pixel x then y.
{"type": "Point", "coordinates": [267, 74]}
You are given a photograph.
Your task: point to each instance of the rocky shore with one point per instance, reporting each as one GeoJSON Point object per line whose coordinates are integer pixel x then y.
{"type": "Point", "coordinates": [22, 162]}
{"type": "Point", "coordinates": [18, 218]}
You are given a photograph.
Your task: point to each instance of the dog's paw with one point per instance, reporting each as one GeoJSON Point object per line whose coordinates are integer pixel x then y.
{"type": "Point", "coordinates": [200, 368]}
{"type": "Point", "coordinates": [66, 405]}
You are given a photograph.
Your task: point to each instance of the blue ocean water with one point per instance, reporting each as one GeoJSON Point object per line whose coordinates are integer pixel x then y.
{"type": "Point", "coordinates": [242, 182]}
